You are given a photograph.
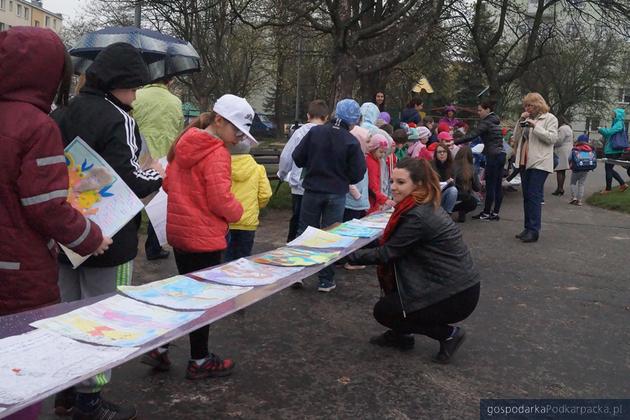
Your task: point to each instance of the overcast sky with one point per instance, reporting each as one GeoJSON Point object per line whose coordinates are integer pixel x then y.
{"type": "Point", "coordinates": [68, 8]}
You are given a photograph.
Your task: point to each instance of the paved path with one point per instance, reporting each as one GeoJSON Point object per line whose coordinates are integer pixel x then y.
{"type": "Point", "coordinates": [552, 323]}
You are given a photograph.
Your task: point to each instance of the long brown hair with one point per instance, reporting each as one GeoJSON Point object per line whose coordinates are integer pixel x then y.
{"type": "Point", "coordinates": [63, 91]}
{"type": "Point", "coordinates": [463, 168]}
{"type": "Point", "coordinates": [447, 166]}
{"type": "Point", "coordinates": [202, 122]}
{"type": "Point", "coordinates": [428, 184]}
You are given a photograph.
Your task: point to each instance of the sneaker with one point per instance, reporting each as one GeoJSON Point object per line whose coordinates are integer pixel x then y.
{"type": "Point", "coordinates": [573, 201]}
{"type": "Point", "coordinates": [349, 266]}
{"type": "Point", "coordinates": [298, 285]}
{"type": "Point", "coordinates": [326, 286]}
{"type": "Point", "coordinates": [623, 187]}
{"type": "Point", "coordinates": [159, 361]}
{"type": "Point", "coordinates": [106, 410]}
{"type": "Point", "coordinates": [449, 346]}
{"type": "Point", "coordinates": [494, 216]}
{"type": "Point", "coordinates": [160, 255]}
{"type": "Point", "coordinates": [578, 203]}
{"type": "Point", "coordinates": [391, 338]}
{"type": "Point", "coordinates": [212, 367]}
{"type": "Point", "coordinates": [482, 216]}
{"type": "Point", "coordinates": [64, 402]}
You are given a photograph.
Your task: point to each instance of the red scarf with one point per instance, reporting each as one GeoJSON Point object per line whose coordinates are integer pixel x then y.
{"type": "Point", "coordinates": [385, 272]}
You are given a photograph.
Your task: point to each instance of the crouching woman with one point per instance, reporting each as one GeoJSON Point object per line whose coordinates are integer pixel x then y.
{"type": "Point", "coordinates": [425, 270]}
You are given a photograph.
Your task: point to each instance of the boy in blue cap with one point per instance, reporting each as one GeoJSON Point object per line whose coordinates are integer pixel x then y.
{"type": "Point", "coordinates": [332, 160]}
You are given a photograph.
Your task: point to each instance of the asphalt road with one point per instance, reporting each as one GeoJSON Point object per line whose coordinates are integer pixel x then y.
{"type": "Point", "coordinates": [552, 322]}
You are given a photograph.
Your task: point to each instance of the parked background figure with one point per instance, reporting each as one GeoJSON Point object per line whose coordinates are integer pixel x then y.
{"type": "Point", "coordinates": [411, 112]}
{"type": "Point", "coordinates": [562, 149]}
{"type": "Point", "coordinates": [536, 133]}
{"type": "Point", "coordinates": [379, 100]}
{"type": "Point", "coordinates": [160, 118]}
{"type": "Point", "coordinates": [618, 125]}
{"type": "Point", "coordinates": [449, 117]}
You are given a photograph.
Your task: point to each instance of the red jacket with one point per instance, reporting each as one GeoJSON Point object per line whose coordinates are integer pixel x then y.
{"type": "Point", "coordinates": [33, 174]}
{"type": "Point", "coordinates": [377, 198]}
{"type": "Point", "coordinates": [200, 204]}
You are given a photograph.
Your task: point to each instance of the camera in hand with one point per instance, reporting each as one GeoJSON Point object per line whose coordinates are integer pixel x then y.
{"type": "Point", "coordinates": [525, 124]}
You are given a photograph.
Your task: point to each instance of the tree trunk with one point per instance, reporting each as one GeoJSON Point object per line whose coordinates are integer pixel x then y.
{"type": "Point", "coordinates": [372, 83]}
{"type": "Point", "coordinates": [345, 76]}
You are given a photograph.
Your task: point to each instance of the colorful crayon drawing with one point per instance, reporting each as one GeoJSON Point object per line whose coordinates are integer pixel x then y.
{"type": "Point", "coordinates": [317, 238]}
{"type": "Point", "coordinates": [296, 257]}
{"type": "Point", "coordinates": [116, 321]}
{"type": "Point", "coordinates": [243, 272]}
{"type": "Point", "coordinates": [181, 292]}
{"type": "Point", "coordinates": [354, 229]}
{"type": "Point", "coordinates": [96, 190]}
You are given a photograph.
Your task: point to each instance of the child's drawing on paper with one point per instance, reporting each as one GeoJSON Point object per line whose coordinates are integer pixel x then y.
{"type": "Point", "coordinates": [88, 184]}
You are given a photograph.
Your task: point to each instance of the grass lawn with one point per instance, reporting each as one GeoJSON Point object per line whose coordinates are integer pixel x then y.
{"type": "Point", "coordinates": [281, 199]}
{"type": "Point", "coordinates": [619, 201]}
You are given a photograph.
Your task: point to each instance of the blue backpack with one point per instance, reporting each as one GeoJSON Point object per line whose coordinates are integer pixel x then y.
{"type": "Point", "coordinates": [583, 160]}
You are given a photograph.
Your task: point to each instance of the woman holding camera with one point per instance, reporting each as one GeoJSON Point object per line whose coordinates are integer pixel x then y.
{"type": "Point", "coordinates": [536, 133]}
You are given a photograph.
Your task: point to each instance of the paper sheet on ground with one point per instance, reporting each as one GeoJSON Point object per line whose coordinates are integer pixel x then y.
{"type": "Point", "coordinates": [354, 229]}
{"type": "Point", "coordinates": [116, 321]}
{"type": "Point", "coordinates": [181, 292]}
{"type": "Point", "coordinates": [97, 191]}
{"type": "Point", "coordinates": [39, 360]}
{"type": "Point", "coordinates": [243, 272]}
{"type": "Point", "coordinates": [295, 257]}
{"type": "Point", "coordinates": [317, 238]}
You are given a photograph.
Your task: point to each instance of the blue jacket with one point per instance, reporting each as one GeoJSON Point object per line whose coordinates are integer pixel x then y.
{"type": "Point", "coordinates": [618, 125]}
{"type": "Point", "coordinates": [331, 158]}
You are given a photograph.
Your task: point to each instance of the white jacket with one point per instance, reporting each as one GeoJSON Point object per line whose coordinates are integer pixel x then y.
{"type": "Point", "coordinates": [541, 141]}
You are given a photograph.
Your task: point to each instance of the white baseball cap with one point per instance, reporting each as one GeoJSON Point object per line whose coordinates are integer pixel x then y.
{"type": "Point", "coordinates": [237, 111]}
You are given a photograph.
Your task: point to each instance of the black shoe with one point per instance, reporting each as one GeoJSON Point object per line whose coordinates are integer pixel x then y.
{"type": "Point", "coordinates": [530, 236]}
{"type": "Point", "coordinates": [163, 254]}
{"type": "Point", "coordinates": [392, 339]}
{"type": "Point", "coordinates": [520, 235]}
{"type": "Point", "coordinates": [106, 410]}
{"type": "Point", "coordinates": [449, 346]}
{"type": "Point", "coordinates": [557, 192]}
{"type": "Point", "coordinates": [482, 216]}
{"type": "Point", "coordinates": [64, 402]}
{"type": "Point", "coordinates": [494, 216]}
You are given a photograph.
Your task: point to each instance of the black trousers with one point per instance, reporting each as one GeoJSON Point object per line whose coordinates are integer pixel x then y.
{"type": "Point", "coordinates": [294, 223]}
{"type": "Point", "coordinates": [432, 321]}
{"type": "Point", "coordinates": [188, 262]}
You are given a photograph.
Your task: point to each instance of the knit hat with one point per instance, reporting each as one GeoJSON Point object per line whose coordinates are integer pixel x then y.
{"type": "Point", "coordinates": [432, 147]}
{"type": "Point", "coordinates": [445, 136]}
{"type": "Point", "coordinates": [385, 117]}
{"type": "Point", "coordinates": [449, 108]}
{"type": "Point", "coordinates": [443, 127]}
{"type": "Point", "coordinates": [413, 134]}
{"type": "Point", "coordinates": [411, 124]}
{"type": "Point", "coordinates": [378, 141]}
{"type": "Point", "coordinates": [423, 132]}
{"type": "Point", "coordinates": [583, 138]}
{"type": "Point", "coordinates": [348, 111]}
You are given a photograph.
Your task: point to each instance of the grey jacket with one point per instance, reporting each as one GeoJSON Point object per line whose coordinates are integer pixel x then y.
{"type": "Point", "coordinates": [431, 261]}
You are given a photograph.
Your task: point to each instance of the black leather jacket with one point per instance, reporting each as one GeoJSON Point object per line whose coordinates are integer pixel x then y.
{"type": "Point", "coordinates": [489, 129]}
{"type": "Point", "coordinates": [431, 260]}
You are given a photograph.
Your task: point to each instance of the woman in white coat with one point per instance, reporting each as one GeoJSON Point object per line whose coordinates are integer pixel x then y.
{"type": "Point", "coordinates": [536, 132]}
{"type": "Point", "coordinates": [562, 149]}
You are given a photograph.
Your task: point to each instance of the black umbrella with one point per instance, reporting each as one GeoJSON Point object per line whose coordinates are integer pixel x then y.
{"type": "Point", "coordinates": [165, 55]}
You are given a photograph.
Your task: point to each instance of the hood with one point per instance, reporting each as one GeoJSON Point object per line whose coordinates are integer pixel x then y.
{"type": "Point", "coordinates": [243, 167]}
{"type": "Point", "coordinates": [493, 118]}
{"type": "Point", "coordinates": [42, 53]}
{"type": "Point", "coordinates": [583, 147]}
{"type": "Point", "coordinates": [370, 113]}
{"type": "Point", "coordinates": [620, 115]}
{"type": "Point", "coordinates": [119, 66]}
{"type": "Point", "coordinates": [194, 146]}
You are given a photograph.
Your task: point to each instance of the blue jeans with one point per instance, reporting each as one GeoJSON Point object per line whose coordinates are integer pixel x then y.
{"type": "Point", "coordinates": [494, 179]}
{"type": "Point", "coordinates": [532, 184]}
{"type": "Point", "coordinates": [449, 198]}
{"type": "Point", "coordinates": [240, 244]}
{"type": "Point", "coordinates": [321, 210]}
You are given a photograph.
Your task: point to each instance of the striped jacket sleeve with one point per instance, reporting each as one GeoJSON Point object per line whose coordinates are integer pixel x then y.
{"type": "Point", "coordinates": [43, 190]}
{"type": "Point", "coordinates": [122, 151]}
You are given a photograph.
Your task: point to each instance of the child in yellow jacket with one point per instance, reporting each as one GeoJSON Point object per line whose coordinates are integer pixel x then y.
{"type": "Point", "coordinates": [251, 187]}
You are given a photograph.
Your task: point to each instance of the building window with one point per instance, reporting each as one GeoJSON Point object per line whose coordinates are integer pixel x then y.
{"type": "Point", "coordinates": [624, 95]}
{"type": "Point", "coordinates": [599, 93]}
{"type": "Point", "coordinates": [37, 23]}
{"type": "Point", "coordinates": [55, 23]}
{"type": "Point", "coordinates": [10, 6]}
{"type": "Point", "coordinates": [1, 26]}
{"type": "Point", "coordinates": [3, 4]}
{"type": "Point", "coordinates": [48, 21]}
{"type": "Point", "coordinates": [19, 10]}
{"type": "Point", "coordinates": [27, 13]}
{"type": "Point", "coordinates": [592, 124]}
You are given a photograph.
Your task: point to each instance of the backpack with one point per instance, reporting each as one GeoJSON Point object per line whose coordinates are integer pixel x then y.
{"type": "Point", "coordinates": [583, 160]}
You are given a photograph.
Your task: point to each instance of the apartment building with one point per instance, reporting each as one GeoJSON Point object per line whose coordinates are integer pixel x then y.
{"type": "Point", "coordinates": [27, 13]}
